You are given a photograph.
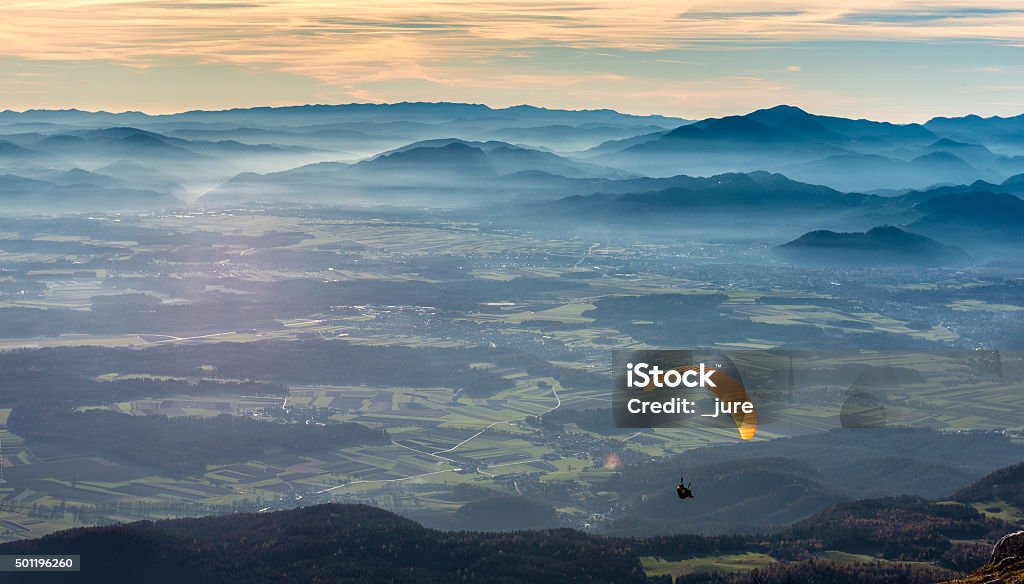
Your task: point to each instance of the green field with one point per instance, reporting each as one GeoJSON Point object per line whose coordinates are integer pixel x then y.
{"type": "Point", "coordinates": [658, 566]}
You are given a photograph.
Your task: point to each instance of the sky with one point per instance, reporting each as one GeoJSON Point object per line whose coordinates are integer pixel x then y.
{"type": "Point", "coordinates": [897, 61]}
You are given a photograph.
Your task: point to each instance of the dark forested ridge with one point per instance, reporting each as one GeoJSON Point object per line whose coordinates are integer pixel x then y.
{"type": "Point", "coordinates": [904, 540]}
{"type": "Point", "coordinates": [1004, 485]}
{"type": "Point", "coordinates": [904, 529]}
{"type": "Point", "coordinates": [328, 543]}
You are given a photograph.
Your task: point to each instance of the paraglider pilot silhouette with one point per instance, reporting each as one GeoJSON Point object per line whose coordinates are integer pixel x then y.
{"type": "Point", "coordinates": [683, 490]}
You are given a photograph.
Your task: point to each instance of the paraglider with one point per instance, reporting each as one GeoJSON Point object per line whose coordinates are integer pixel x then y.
{"type": "Point", "coordinates": [683, 490]}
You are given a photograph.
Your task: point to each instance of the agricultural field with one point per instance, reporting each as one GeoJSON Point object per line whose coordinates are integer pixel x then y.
{"type": "Point", "coordinates": [532, 321]}
{"type": "Point", "coordinates": [658, 566]}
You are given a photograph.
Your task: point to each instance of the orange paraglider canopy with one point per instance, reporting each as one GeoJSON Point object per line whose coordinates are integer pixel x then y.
{"type": "Point", "coordinates": [731, 391]}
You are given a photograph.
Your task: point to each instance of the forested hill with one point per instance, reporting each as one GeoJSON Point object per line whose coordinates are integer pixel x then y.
{"type": "Point", "coordinates": [903, 540]}
{"type": "Point", "coordinates": [900, 540]}
{"type": "Point", "coordinates": [327, 543]}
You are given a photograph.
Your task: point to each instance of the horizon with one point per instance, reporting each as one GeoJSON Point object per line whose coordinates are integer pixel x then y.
{"type": "Point", "coordinates": [499, 108]}
{"type": "Point", "coordinates": [691, 60]}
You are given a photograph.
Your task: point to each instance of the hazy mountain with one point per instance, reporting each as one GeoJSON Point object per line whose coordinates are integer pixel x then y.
{"type": "Point", "coordinates": [454, 157]}
{"type": "Point", "coordinates": [853, 130]}
{"type": "Point", "coordinates": [715, 206]}
{"type": "Point", "coordinates": [979, 219]}
{"type": "Point", "coordinates": [121, 185]}
{"type": "Point", "coordinates": [12, 151]}
{"type": "Point", "coordinates": [446, 172]}
{"type": "Point", "coordinates": [735, 143]}
{"type": "Point", "coordinates": [733, 498]}
{"type": "Point", "coordinates": [622, 144]}
{"type": "Point", "coordinates": [310, 153]}
{"type": "Point", "coordinates": [130, 142]}
{"type": "Point", "coordinates": [798, 122]}
{"type": "Point", "coordinates": [1004, 132]}
{"type": "Point", "coordinates": [846, 154]}
{"type": "Point", "coordinates": [752, 487]}
{"type": "Point", "coordinates": [78, 176]}
{"type": "Point", "coordinates": [141, 176]}
{"type": "Point", "coordinates": [880, 246]}
{"type": "Point", "coordinates": [505, 158]}
{"type": "Point", "coordinates": [426, 112]}
{"type": "Point", "coordinates": [362, 129]}
{"type": "Point", "coordinates": [564, 137]}
{"type": "Point", "coordinates": [769, 139]}
{"type": "Point", "coordinates": [288, 115]}
{"type": "Point", "coordinates": [975, 154]}
{"type": "Point", "coordinates": [115, 143]}
{"type": "Point", "coordinates": [192, 163]}
{"type": "Point", "coordinates": [867, 172]}
{"type": "Point", "coordinates": [1014, 184]}
{"type": "Point", "coordinates": [20, 194]}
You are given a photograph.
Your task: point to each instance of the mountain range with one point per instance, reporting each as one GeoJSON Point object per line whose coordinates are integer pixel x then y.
{"type": "Point", "coordinates": [846, 154]}
{"type": "Point", "coordinates": [775, 173]}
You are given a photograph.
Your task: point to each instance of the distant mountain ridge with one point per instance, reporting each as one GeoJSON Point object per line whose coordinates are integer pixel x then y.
{"type": "Point", "coordinates": [978, 215]}
{"type": "Point", "coordinates": [847, 154]}
{"type": "Point", "coordinates": [78, 191]}
{"type": "Point", "coordinates": [452, 171]}
{"type": "Point", "coordinates": [398, 153]}
{"type": "Point", "coordinates": [688, 206]}
{"type": "Point", "coordinates": [395, 111]}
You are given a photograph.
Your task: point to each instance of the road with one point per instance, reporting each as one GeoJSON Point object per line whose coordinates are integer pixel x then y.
{"type": "Point", "coordinates": [438, 453]}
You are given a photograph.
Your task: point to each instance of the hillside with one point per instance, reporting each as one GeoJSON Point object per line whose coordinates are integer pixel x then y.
{"type": "Point", "coordinates": [444, 171]}
{"type": "Point", "coordinates": [1008, 571]}
{"type": "Point", "coordinates": [77, 191]}
{"type": "Point", "coordinates": [846, 154]}
{"type": "Point", "coordinates": [328, 543]}
{"type": "Point", "coordinates": [905, 540]}
{"type": "Point", "coordinates": [878, 246]}
{"type": "Point", "coordinates": [722, 206]}
{"type": "Point", "coordinates": [980, 217]}
{"type": "Point", "coordinates": [902, 540]}
{"type": "Point", "coordinates": [1001, 488]}
{"type": "Point", "coordinates": [761, 486]}
{"type": "Point", "coordinates": [836, 151]}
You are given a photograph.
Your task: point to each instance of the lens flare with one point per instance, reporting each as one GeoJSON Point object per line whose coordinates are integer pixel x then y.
{"type": "Point", "coordinates": [612, 461]}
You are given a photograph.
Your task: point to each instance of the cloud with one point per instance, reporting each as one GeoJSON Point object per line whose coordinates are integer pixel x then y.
{"type": "Point", "coordinates": [441, 47]}
{"type": "Point", "coordinates": [320, 37]}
